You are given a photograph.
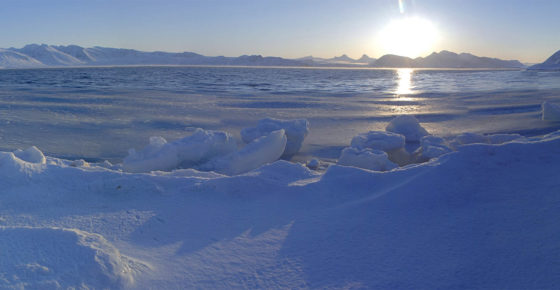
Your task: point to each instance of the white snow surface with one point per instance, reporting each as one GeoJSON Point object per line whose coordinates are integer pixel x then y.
{"type": "Point", "coordinates": [483, 217]}
{"type": "Point", "coordinates": [408, 126]}
{"type": "Point", "coordinates": [296, 131]}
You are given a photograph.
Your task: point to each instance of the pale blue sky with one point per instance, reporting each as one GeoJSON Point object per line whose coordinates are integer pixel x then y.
{"type": "Point", "coordinates": [526, 30]}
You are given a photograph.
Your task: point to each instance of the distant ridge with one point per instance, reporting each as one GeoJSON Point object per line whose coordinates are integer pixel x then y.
{"type": "Point", "coordinates": [43, 55]}
{"type": "Point", "coordinates": [446, 59]}
{"type": "Point", "coordinates": [552, 63]}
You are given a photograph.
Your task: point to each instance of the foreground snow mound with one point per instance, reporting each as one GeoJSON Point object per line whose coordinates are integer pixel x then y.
{"type": "Point", "coordinates": [18, 165]}
{"type": "Point", "coordinates": [366, 158]}
{"type": "Point", "coordinates": [51, 258]}
{"type": "Point", "coordinates": [407, 126]}
{"type": "Point", "coordinates": [378, 140]}
{"type": "Point", "coordinates": [296, 131]}
{"type": "Point", "coordinates": [260, 151]}
{"type": "Point", "coordinates": [550, 111]}
{"type": "Point", "coordinates": [188, 152]}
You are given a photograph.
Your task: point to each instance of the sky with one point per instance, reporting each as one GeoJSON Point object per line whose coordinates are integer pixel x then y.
{"type": "Point", "coordinates": [510, 29]}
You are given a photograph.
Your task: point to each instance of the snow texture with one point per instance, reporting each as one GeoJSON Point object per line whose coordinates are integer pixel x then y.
{"type": "Point", "coordinates": [50, 258]}
{"type": "Point", "coordinates": [550, 111]}
{"type": "Point", "coordinates": [296, 131]}
{"type": "Point", "coordinates": [188, 152]}
{"type": "Point", "coordinates": [366, 158]}
{"type": "Point", "coordinates": [408, 126]}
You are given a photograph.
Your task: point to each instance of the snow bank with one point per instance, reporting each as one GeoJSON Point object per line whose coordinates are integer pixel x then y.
{"type": "Point", "coordinates": [483, 217]}
{"type": "Point", "coordinates": [408, 126]}
{"type": "Point", "coordinates": [296, 131]}
{"type": "Point", "coordinates": [188, 152]}
{"type": "Point", "coordinates": [263, 150]}
{"type": "Point", "coordinates": [550, 111]}
{"type": "Point", "coordinates": [41, 258]}
{"type": "Point", "coordinates": [378, 140]}
{"type": "Point", "coordinates": [366, 158]}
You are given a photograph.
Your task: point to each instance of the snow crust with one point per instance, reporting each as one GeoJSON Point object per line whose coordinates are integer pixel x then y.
{"type": "Point", "coordinates": [296, 131]}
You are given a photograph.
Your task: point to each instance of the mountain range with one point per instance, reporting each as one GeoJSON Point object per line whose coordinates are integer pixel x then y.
{"type": "Point", "coordinates": [36, 56]}
{"type": "Point", "coordinates": [552, 63]}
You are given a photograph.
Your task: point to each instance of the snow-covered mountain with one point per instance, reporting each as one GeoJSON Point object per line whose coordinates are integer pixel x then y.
{"type": "Point", "coordinates": [35, 55]}
{"type": "Point", "coordinates": [14, 59]}
{"type": "Point", "coordinates": [552, 63]}
{"type": "Point", "coordinates": [43, 55]}
{"type": "Point", "coordinates": [446, 59]}
{"type": "Point", "coordinates": [49, 55]}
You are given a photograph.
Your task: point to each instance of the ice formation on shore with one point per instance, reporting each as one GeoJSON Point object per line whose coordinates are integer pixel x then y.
{"type": "Point", "coordinates": [408, 126]}
{"type": "Point", "coordinates": [188, 152]}
{"type": "Point", "coordinates": [67, 224]}
{"type": "Point", "coordinates": [296, 131]}
{"type": "Point", "coordinates": [376, 160]}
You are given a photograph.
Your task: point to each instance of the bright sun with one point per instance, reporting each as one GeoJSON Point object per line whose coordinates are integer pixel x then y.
{"type": "Point", "coordinates": [409, 36]}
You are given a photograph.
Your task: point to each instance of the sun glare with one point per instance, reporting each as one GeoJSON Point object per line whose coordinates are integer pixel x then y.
{"type": "Point", "coordinates": [409, 36]}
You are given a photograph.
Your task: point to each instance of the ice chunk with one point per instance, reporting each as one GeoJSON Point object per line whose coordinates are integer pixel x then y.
{"type": "Point", "coordinates": [366, 158]}
{"type": "Point", "coordinates": [263, 150]}
{"type": "Point", "coordinates": [79, 163]}
{"type": "Point", "coordinates": [379, 140]}
{"type": "Point", "coordinates": [31, 154]}
{"type": "Point", "coordinates": [550, 111]}
{"type": "Point", "coordinates": [296, 131]}
{"type": "Point", "coordinates": [408, 126]}
{"type": "Point", "coordinates": [184, 153]}
{"type": "Point", "coordinates": [431, 147]}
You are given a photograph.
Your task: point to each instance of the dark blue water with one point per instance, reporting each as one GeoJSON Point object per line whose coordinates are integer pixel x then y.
{"type": "Point", "coordinates": [275, 81]}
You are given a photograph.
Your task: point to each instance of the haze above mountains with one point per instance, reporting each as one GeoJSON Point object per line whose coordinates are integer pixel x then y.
{"type": "Point", "coordinates": [37, 56]}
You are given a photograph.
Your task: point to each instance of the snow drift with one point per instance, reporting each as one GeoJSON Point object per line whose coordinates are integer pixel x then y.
{"type": "Point", "coordinates": [484, 216]}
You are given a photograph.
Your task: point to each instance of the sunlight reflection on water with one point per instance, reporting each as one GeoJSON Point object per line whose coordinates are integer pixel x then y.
{"type": "Point", "coordinates": [404, 85]}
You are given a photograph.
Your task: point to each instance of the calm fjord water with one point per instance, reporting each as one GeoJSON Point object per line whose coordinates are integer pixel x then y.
{"type": "Point", "coordinates": [99, 113]}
